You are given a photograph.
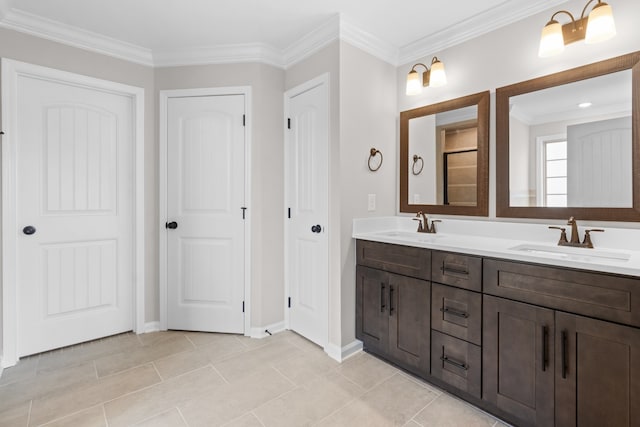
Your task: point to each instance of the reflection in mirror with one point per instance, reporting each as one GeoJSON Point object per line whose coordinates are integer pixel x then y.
{"type": "Point", "coordinates": [444, 152]}
{"type": "Point", "coordinates": [447, 142]}
{"type": "Point", "coordinates": [568, 144]}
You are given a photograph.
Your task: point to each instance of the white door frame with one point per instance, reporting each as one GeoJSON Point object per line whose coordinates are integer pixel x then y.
{"type": "Point", "coordinates": [11, 70]}
{"type": "Point", "coordinates": [323, 79]}
{"type": "Point", "coordinates": [162, 173]}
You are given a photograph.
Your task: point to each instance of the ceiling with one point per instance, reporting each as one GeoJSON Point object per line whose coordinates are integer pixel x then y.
{"type": "Point", "coordinates": [158, 32]}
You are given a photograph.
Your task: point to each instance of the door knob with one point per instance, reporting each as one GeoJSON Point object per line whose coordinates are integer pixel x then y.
{"type": "Point", "coordinates": [171, 225]}
{"type": "Point", "coordinates": [29, 230]}
{"type": "Point", "coordinates": [316, 228]}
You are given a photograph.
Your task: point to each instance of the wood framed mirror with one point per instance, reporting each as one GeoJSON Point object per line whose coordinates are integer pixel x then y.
{"type": "Point", "coordinates": [568, 144]}
{"type": "Point", "coordinates": [444, 157]}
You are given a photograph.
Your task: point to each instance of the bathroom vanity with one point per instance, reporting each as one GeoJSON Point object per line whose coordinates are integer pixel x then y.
{"type": "Point", "coordinates": [537, 335]}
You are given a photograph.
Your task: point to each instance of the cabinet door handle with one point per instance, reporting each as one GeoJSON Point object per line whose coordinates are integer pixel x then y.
{"type": "Point", "coordinates": [565, 363]}
{"type": "Point", "coordinates": [390, 299]}
{"type": "Point", "coordinates": [455, 270]}
{"type": "Point", "coordinates": [454, 312]}
{"type": "Point", "coordinates": [545, 348]}
{"type": "Point", "coordinates": [382, 305]}
{"type": "Point", "coordinates": [454, 362]}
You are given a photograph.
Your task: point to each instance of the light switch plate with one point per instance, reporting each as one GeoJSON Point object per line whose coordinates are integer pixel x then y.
{"type": "Point", "coordinates": [371, 205]}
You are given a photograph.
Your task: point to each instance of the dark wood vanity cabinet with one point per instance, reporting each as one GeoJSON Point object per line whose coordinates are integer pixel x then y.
{"type": "Point", "coordinates": [518, 363]}
{"type": "Point", "coordinates": [534, 344]}
{"type": "Point", "coordinates": [392, 310]}
{"type": "Point", "coordinates": [545, 366]}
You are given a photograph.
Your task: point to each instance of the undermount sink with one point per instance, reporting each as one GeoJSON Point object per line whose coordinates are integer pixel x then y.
{"type": "Point", "coordinates": [411, 236]}
{"type": "Point", "coordinates": [571, 253]}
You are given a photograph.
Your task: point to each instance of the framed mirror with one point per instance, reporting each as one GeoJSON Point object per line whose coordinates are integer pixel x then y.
{"type": "Point", "coordinates": [444, 157]}
{"type": "Point", "coordinates": [568, 144]}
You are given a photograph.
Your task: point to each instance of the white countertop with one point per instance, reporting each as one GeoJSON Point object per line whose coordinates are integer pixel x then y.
{"type": "Point", "coordinates": [617, 250]}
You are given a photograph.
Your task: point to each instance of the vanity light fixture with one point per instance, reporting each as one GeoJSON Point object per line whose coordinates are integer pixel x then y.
{"type": "Point", "coordinates": [598, 26]}
{"type": "Point", "coordinates": [433, 77]}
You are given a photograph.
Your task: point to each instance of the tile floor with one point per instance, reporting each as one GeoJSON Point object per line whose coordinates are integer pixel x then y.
{"type": "Point", "coordinates": [198, 379]}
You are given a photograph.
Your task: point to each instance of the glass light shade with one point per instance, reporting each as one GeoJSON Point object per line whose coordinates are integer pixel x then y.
{"type": "Point", "coordinates": [551, 40]}
{"type": "Point", "coordinates": [600, 25]}
{"type": "Point", "coordinates": [414, 85]}
{"type": "Point", "coordinates": [438, 76]}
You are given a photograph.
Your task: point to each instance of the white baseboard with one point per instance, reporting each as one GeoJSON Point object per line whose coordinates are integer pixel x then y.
{"type": "Point", "coordinates": [1, 367]}
{"type": "Point", "coordinates": [260, 332]}
{"type": "Point", "coordinates": [151, 327]}
{"type": "Point", "coordinates": [341, 354]}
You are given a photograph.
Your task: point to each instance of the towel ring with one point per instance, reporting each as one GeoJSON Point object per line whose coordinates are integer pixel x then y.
{"type": "Point", "coordinates": [417, 158]}
{"type": "Point", "coordinates": [372, 153]}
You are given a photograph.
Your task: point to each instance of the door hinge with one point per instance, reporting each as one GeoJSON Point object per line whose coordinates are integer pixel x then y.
{"type": "Point", "coordinates": [289, 303]}
{"type": "Point", "coordinates": [289, 213]}
{"type": "Point", "coordinates": [244, 210]}
{"type": "Point", "coordinates": [288, 123]}
{"type": "Point", "coordinates": [1, 132]}
{"type": "Point", "coordinates": [244, 121]}
{"type": "Point", "coordinates": [243, 306]}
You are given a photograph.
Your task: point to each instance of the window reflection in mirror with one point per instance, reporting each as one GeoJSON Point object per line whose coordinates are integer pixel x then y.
{"type": "Point", "coordinates": [444, 149]}
{"type": "Point", "coordinates": [571, 145]}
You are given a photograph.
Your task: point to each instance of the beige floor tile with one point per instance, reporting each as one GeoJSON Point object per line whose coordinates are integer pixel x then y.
{"type": "Point", "coordinates": [158, 348]}
{"type": "Point", "coordinates": [244, 365]}
{"type": "Point", "coordinates": [25, 368]}
{"type": "Point", "coordinates": [412, 423]}
{"type": "Point", "coordinates": [201, 339]}
{"type": "Point", "coordinates": [309, 404]}
{"type": "Point", "coordinates": [391, 403]}
{"type": "Point", "coordinates": [235, 399]}
{"type": "Point", "coordinates": [155, 337]}
{"type": "Point", "coordinates": [247, 420]}
{"type": "Point", "coordinates": [15, 416]}
{"type": "Point", "coordinates": [92, 417]}
{"type": "Point", "coordinates": [85, 352]}
{"type": "Point", "coordinates": [171, 418]}
{"type": "Point", "coordinates": [366, 370]}
{"type": "Point", "coordinates": [303, 343]}
{"type": "Point", "coordinates": [86, 395]}
{"type": "Point", "coordinates": [447, 411]}
{"type": "Point", "coordinates": [141, 405]}
{"type": "Point", "coordinates": [181, 363]}
{"type": "Point", "coordinates": [306, 367]}
{"type": "Point", "coordinates": [222, 347]}
{"type": "Point", "coordinates": [43, 384]}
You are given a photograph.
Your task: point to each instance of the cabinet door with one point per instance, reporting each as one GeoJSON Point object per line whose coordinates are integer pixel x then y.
{"type": "Point", "coordinates": [372, 316]}
{"type": "Point", "coordinates": [518, 373]}
{"type": "Point", "coordinates": [409, 322]}
{"type": "Point", "coordinates": [597, 373]}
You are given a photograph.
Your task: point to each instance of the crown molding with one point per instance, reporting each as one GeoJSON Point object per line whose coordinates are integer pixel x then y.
{"type": "Point", "coordinates": [73, 36]}
{"type": "Point", "coordinates": [312, 42]}
{"type": "Point", "coordinates": [504, 14]}
{"type": "Point", "coordinates": [223, 54]}
{"type": "Point", "coordinates": [368, 43]}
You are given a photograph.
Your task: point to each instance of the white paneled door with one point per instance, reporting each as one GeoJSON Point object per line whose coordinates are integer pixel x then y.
{"type": "Point", "coordinates": [205, 216]}
{"type": "Point", "coordinates": [75, 213]}
{"type": "Point", "coordinates": [307, 197]}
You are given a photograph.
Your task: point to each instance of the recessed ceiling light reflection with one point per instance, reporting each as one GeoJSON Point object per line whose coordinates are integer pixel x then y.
{"type": "Point", "coordinates": [584, 105]}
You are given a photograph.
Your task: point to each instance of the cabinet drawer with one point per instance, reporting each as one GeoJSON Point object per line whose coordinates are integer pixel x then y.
{"type": "Point", "coordinates": [457, 312]}
{"type": "Point", "coordinates": [456, 362]}
{"type": "Point", "coordinates": [462, 271]}
{"type": "Point", "coordinates": [405, 260]}
{"type": "Point", "coordinates": [599, 295]}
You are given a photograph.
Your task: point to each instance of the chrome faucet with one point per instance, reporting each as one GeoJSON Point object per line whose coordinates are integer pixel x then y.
{"type": "Point", "coordinates": [423, 223]}
{"type": "Point", "coordinates": [575, 235]}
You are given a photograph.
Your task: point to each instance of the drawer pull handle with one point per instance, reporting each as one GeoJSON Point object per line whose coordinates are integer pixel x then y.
{"type": "Point", "coordinates": [545, 348]}
{"type": "Point", "coordinates": [390, 299]}
{"type": "Point", "coordinates": [454, 270]}
{"type": "Point", "coordinates": [565, 368]}
{"type": "Point", "coordinates": [454, 363]}
{"type": "Point", "coordinates": [454, 312]}
{"type": "Point", "coordinates": [382, 305]}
